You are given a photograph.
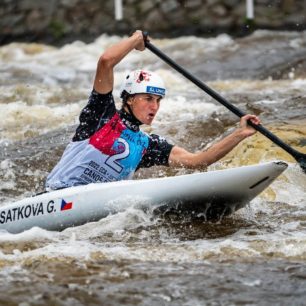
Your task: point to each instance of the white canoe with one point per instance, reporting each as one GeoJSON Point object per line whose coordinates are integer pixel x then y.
{"type": "Point", "coordinates": [213, 194]}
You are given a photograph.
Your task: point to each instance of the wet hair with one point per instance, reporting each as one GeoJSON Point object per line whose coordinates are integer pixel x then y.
{"type": "Point", "coordinates": [125, 97]}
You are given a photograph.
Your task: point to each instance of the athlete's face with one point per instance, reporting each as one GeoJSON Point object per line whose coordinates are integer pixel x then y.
{"type": "Point", "coordinates": [145, 107]}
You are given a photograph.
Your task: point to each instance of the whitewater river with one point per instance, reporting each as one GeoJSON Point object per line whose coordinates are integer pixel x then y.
{"type": "Point", "coordinates": [255, 257]}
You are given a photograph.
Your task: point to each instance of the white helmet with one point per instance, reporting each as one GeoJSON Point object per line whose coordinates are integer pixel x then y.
{"type": "Point", "coordinates": [143, 81]}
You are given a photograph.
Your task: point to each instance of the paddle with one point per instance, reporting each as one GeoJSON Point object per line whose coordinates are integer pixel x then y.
{"type": "Point", "coordinates": [298, 156]}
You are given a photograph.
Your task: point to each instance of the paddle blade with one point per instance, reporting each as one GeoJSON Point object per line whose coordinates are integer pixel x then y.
{"type": "Point", "coordinates": [301, 159]}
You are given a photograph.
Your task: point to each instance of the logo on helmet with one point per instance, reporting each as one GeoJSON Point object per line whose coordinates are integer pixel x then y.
{"type": "Point", "coordinates": [156, 90]}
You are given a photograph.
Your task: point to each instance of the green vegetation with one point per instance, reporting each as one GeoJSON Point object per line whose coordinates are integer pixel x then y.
{"type": "Point", "coordinates": [57, 28]}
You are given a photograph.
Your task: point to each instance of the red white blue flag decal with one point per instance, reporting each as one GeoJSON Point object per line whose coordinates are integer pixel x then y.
{"type": "Point", "coordinates": [66, 205]}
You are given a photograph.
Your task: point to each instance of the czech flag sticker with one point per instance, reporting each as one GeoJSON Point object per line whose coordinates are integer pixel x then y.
{"type": "Point", "coordinates": [66, 205]}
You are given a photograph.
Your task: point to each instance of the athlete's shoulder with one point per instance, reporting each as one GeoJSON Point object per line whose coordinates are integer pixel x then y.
{"type": "Point", "coordinates": [99, 110]}
{"type": "Point", "coordinates": [157, 138]}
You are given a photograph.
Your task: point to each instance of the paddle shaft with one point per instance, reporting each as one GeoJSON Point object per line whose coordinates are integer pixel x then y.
{"type": "Point", "coordinates": [297, 155]}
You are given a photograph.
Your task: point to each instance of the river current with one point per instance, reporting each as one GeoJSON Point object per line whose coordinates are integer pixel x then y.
{"type": "Point", "coordinates": [254, 257]}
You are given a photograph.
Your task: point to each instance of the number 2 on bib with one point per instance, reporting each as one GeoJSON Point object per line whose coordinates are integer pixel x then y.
{"type": "Point", "coordinates": [113, 161]}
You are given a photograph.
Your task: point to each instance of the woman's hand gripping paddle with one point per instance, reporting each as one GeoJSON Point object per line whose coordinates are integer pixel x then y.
{"type": "Point", "coordinates": [298, 156]}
